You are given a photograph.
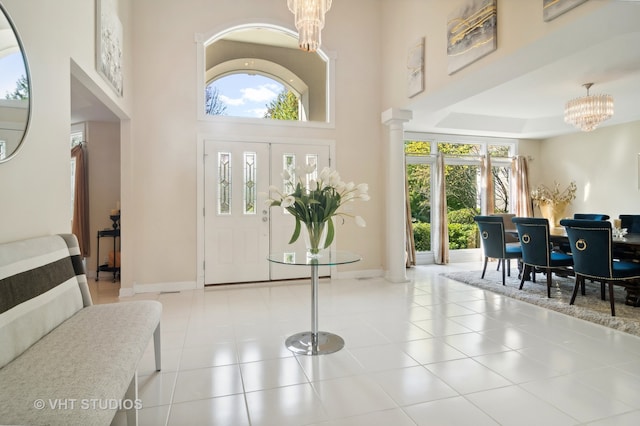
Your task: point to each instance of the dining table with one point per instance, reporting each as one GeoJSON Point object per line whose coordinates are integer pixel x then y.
{"type": "Point", "coordinates": [629, 243]}
{"type": "Point", "coordinates": [624, 248]}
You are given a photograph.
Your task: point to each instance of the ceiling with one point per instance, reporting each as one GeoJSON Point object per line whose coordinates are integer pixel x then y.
{"type": "Point", "coordinates": [85, 106]}
{"type": "Point", "coordinates": [521, 95]}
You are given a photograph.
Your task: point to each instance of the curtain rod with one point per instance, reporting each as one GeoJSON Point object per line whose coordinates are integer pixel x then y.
{"type": "Point", "coordinates": [528, 157]}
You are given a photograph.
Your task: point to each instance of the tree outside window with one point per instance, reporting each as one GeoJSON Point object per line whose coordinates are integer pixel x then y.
{"type": "Point", "coordinates": [462, 177]}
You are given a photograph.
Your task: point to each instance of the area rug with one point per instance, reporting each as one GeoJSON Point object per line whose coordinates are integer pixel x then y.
{"type": "Point", "coordinates": [588, 307]}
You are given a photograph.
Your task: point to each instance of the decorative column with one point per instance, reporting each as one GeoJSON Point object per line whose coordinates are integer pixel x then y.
{"type": "Point", "coordinates": [396, 248]}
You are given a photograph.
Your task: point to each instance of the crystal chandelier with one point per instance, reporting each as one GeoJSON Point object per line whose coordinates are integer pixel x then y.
{"type": "Point", "coordinates": [587, 112]}
{"type": "Point", "coordinates": [309, 21]}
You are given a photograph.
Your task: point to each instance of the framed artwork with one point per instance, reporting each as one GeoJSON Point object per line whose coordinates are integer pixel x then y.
{"type": "Point", "coordinates": [109, 44]}
{"type": "Point", "coordinates": [471, 33]}
{"type": "Point", "coordinates": [415, 68]}
{"type": "Point", "coordinates": [551, 9]}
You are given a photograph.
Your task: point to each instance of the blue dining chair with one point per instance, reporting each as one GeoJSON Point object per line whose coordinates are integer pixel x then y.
{"type": "Point", "coordinates": [582, 216]}
{"type": "Point", "coordinates": [537, 250]}
{"type": "Point", "coordinates": [493, 243]}
{"type": "Point", "coordinates": [590, 216]}
{"type": "Point", "coordinates": [631, 222]}
{"type": "Point", "coordinates": [592, 250]}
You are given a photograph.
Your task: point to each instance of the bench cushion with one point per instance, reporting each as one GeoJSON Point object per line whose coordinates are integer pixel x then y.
{"type": "Point", "coordinates": [42, 283]}
{"type": "Point", "coordinates": [91, 356]}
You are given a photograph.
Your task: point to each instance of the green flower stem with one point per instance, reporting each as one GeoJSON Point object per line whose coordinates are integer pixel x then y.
{"type": "Point", "coordinates": [318, 240]}
{"type": "Point", "coordinates": [315, 234]}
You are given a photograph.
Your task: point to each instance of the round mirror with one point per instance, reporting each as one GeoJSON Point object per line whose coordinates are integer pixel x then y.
{"type": "Point", "coordinates": [15, 89]}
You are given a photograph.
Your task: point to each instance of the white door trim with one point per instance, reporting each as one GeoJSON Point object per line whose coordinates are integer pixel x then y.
{"type": "Point", "coordinates": [201, 138]}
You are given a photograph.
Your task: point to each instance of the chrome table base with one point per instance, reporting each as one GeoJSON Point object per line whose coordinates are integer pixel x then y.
{"type": "Point", "coordinates": [314, 342]}
{"type": "Point", "coordinates": [305, 344]}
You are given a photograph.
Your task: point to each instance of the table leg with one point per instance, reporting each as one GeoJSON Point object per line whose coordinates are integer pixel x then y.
{"type": "Point", "coordinates": [314, 342]}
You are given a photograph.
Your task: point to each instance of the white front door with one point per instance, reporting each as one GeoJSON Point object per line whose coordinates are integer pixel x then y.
{"type": "Point", "coordinates": [240, 230]}
{"type": "Point", "coordinates": [236, 180]}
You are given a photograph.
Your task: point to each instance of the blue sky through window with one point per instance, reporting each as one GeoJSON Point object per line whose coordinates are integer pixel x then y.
{"type": "Point", "coordinates": [247, 95]}
{"type": "Point", "coordinates": [12, 69]}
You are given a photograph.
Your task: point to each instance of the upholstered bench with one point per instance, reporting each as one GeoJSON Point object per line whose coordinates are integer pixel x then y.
{"type": "Point", "coordinates": [63, 360]}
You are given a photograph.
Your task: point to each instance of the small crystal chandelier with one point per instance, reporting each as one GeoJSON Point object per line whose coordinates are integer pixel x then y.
{"type": "Point", "coordinates": [309, 21]}
{"type": "Point", "coordinates": [587, 112]}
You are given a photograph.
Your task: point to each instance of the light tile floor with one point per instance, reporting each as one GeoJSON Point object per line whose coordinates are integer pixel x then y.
{"type": "Point", "coordinates": [427, 352]}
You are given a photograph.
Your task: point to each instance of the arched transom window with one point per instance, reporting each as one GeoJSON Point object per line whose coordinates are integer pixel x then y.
{"type": "Point", "coordinates": [258, 71]}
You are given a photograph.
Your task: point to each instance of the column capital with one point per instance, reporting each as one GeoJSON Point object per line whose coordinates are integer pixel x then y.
{"type": "Point", "coordinates": [395, 115]}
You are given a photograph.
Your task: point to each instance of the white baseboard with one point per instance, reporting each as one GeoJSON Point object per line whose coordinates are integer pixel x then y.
{"type": "Point", "coordinates": [126, 292]}
{"type": "Point", "coordinates": [360, 274]}
{"type": "Point", "coordinates": [455, 256]}
{"type": "Point", "coordinates": [158, 288]}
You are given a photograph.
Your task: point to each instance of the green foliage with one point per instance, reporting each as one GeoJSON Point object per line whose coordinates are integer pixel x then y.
{"type": "Point", "coordinates": [462, 234]}
{"type": "Point", "coordinates": [284, 107]}
{"type": "Point", "coordinates": [463, 216]}
{"type": "Point", "coordinates": [21, 91]}
{"type": "Point", "coordinates": [417, 148]}
{"type": "Point", "coordinates": [461, 186]}
{"type": "Point", "coordinates": [422, 236]}
{"type": "Point", "coordinates": [419, 176]}
{"type": "Point", "coordinates": [462, 191]}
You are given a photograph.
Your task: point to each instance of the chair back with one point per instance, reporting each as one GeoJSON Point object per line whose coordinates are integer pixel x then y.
{"type": "Point", "coordinates": [591, 247]}
{"type": "Point", "coordinates": [508, 224]}
{"type": "Point", "coordinates": [534, 240]}
{"type": "Point", "coordinates": [492, 235]}
{"type": "Point", "coordinates": [591, 216]}
{"type": "Point", "coordinates": [631, 222]}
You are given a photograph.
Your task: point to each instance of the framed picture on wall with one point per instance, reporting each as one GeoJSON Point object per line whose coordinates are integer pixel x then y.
{"type": "Point", "coordinates": [551, 9]}
{"type": "Point", "coordinates": [415, 68]}
{"type": "Point", "coordinates": [472, 32]}
{"type": "Point", "coordinates": [109, 44]}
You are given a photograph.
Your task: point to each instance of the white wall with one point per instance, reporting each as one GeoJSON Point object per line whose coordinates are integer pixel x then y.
{"type": "Point", "coordinates": [159, 128]}
{"type": "Point", "coordinates": [520, 24]}
{"type": "Point", "coordinates": [605, 165]}
{"type": "Point", "coordinates": [103, 153]}
{"type": "Point", "coordinates": [36, 192]}
{"type": "Point", "coordinates": [161, 218]}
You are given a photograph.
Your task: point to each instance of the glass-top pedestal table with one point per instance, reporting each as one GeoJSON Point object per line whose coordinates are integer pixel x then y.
{"type": "Point", "coordinates": [314, 342]}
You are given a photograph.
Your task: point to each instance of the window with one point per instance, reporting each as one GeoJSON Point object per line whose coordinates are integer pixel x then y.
{"type": "Point", "coordinates": [251, 95]}
{"type": "Point", "coordinates": [267, 61]}
{"type": "Point", "coordinates": [250, 196]}
{"type": "Point", "coordinates": [501, 170]}
{"type": "Point", "coordinates": [224, 183]}
{"type": "Point", "coordinates": [463, 157]}
{"type": "Point", "coordinates": [419, 165]}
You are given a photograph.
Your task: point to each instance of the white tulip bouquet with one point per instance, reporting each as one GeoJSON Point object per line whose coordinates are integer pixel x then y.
{"type": "Point", "coordinates": [315, 204]}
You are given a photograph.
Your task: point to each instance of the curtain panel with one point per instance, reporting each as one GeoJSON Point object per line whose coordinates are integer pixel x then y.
{"type": "Point", "coordinates": [488, 201]}
{"type": "Point", "coordinates": [80, 221]}
{"type": "Point", "coordinates": [521, 193]}
{"type": "Point", "coordinates": [410, 241]}
{"type": "Point", "coordinates": [440, 230]}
